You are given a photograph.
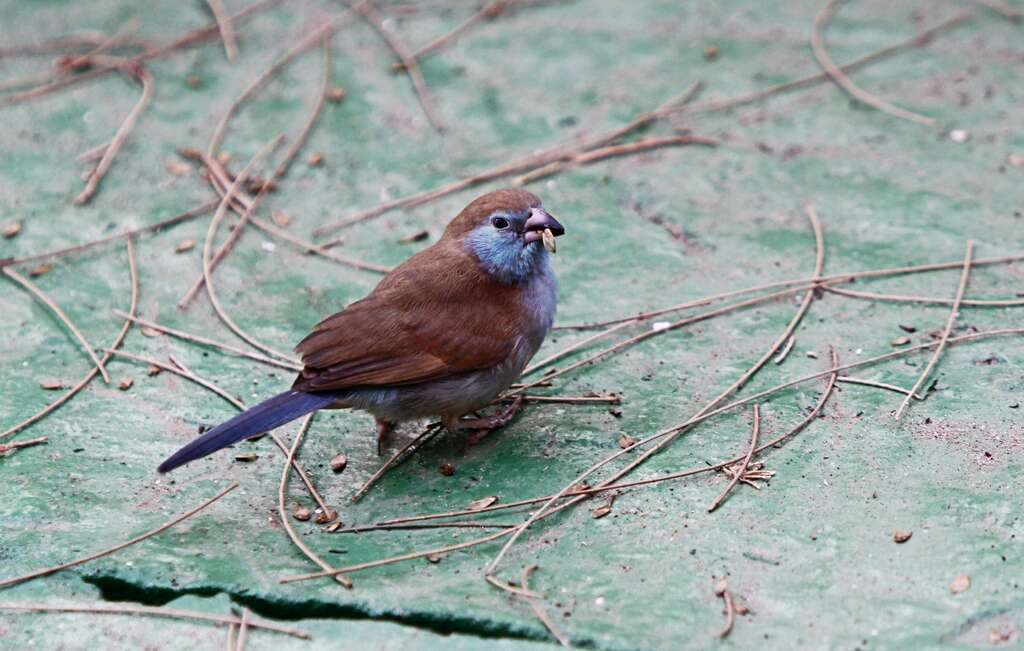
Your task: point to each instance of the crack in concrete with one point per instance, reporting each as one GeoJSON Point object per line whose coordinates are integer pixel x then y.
{"type": "Point", "coordinates": [118, 589]}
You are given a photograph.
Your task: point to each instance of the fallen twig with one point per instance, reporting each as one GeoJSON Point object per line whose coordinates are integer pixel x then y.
{"type": "Point", "coordinates": [152, 610]}
{"type": "Point", "coordinates": [179, 334]}
{"type": "Point", "coordinates": [1001, 8]}
{"type": "Point", "coordinates": [903, 298]}
{"type": "Point", "coordinates": [309, 41]}
{"type": "Point", "coordinates": [609, 137]}
{"type": "Point", "coordinates": [538, 608]}
{"type": "Point", "coordinates": [149, 534]}
{"type": "Point", "coordinates": [825, 282]}
{"type": "Point", "coordinates": [786, 350]}
{"type": "Point", "coordinates": [227, 33]}
{"type": "Point", "coordinates": [879, 385]}
{"type": "Point", "coordinates": [283, 512]}
{"type": "Point", "coordinates": [435, 525]}
{"type": "Point", "coordinates": [307, 128]}
{"type": "Point", "coordinates": [917, 40]}
{"type": "Point", "coordinates": [133, 303]}
{"type": "Point", "coordinates": [120, 136]}
{"type": "Point", "coordinates": [743, 464]}
{"type": "Point", "coordinates": [177, 219]}
{"type": "Point", "coordinates": [396, 559]}
{"type": "Point", "coordinates": [220, 182]}
{"type": "Point", "coordinates": [844, 82]}
{"type": "Point", "coordinates": [722, 590]}
{"type": "Point", "coordinates": [488, 11]}
{"type": "Point", "coordinates": [961, 287]}
{"type": "Point", "coordinates": [588, 157]}
{"type": "Point", "coordinates": [7, 448]}
{"type": "Point", "coordinates": [208, 247]}
{"type": "Point", "coordinates": [422, 438]}
{"type": "Point", "coordinates": [243, 629]}
{"type": "Point", "coordinates": [375, 20]}
{"type": "Point", "coordinates": [59, 313]}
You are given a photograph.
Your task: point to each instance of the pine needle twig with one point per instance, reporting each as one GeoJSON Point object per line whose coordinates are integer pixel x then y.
{"type": "Point", "coordinates": [961, 287]}
{"type": "Point", "coordinates": [106, 552]}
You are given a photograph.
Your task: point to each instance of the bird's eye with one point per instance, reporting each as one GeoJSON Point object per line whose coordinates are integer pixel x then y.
{"type": "Point", "coordinates": [500, 223]}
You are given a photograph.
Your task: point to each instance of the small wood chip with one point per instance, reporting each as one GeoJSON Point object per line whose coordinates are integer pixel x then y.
{"type": "Point", "coordinates": [900, 341]}
{"type": "Point", "coordinates": [151, 332]}
{"type": "Point", "coordinates": [224, 158]}
{"type": "Point", "coordinates": [51, 384]}
{"type": "Point", "coordinates": [40, 270]}
{"type": "Point", "coordinates": [482, 503]}
{"type": "Point", "coordinates": [339, 462]}
{"type": "Point", "coordinates": [601, 511]}
{"type": "Point", "coordinates": [247, 457]}
{"type": "Point", "coordinates": [580, 486]}
{"type": "Point", "coordinates": [1000, 635]}
{"type": "Point", "coordinates": [126, 383]}
{"type": "Point", "coordinates": [720, 588]}
{"type": "Point", "coordinates": [153, 370]}
{"type": "Point", "coordinates": [418, 236]}
{"type": "Point", "coordinates": [193, 81]}
{"type": "Point", "coordinates": [280, 218]}
{"type": "Point", "coordinates": [301, 513]}
{"type": "Point", "coordinates": [447, 469]}
{"type": "Point", "coordinates": [711, 53]}
{"type": "Point", "coordinates": [908, 328]}
{"type": "Point", "coordinates": [960, 584]}
{"type": "Point", "coordinates": [434, 558]}
{"type": "Point", "coordinates": [12, 229]}
{"type": "Point", "coordinates": [331, 528]}
{"type": "Point", "coordinates": [178, 168]}
{"type": "Point", "coordinates": [185, 245]}
{"type": "Point", "coordinates": [626, 441]}
{"type": "Point", "coordinates": [336, 94]}
{"type": "Point", "coordinates": [902, 536]}
{"type": "Point", "coordinates": [323, 517]}
{"type": "Point", "coordinates": [316, 160]}
{"type": "Point", "coordinates": [812, 354]}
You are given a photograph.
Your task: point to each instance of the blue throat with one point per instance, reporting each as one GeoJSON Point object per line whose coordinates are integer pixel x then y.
{"type": "Point", "coordinates": [503, 255]}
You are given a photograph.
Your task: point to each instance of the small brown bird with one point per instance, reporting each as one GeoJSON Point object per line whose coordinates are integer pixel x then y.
{"type": "Point", "coordinates": [441, 335]}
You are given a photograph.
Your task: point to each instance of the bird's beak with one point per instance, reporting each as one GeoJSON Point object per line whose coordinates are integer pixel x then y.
{"type": "Point", "coordinates": [538, 224]}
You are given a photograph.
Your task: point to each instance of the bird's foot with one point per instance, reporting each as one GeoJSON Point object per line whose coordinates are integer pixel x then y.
{"type": "Point", "coordinates": [384, 431]}
{"type": "Point", "coordinates": [486, 425]}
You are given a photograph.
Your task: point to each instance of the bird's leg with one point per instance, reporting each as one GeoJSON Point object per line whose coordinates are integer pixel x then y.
{"type": "Point", "coordinates": [486, 425]}
{"type": "Point", "coordinates": [384, 431]}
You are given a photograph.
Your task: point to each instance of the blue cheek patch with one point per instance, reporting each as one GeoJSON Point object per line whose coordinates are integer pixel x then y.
{"type": "Point", "coordinates": [503, 254]}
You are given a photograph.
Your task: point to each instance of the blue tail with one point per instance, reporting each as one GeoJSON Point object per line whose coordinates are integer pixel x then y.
{"type": "Point", "coordinates": [271, 413]}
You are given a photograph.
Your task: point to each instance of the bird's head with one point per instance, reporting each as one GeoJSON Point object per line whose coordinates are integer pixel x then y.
{"type": "Point", "coordinates": [508, 231]}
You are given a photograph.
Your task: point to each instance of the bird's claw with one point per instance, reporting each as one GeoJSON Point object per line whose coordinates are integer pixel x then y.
{"type": "Point", "coordinates": [485, 426]}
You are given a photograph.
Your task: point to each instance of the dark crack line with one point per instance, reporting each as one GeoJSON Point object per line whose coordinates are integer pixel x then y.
{"type": "Point", "coordinates": [118, 589]}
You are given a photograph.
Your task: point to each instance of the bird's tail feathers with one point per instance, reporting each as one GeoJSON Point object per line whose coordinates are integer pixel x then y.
{"type": "Point", "coordinates": [264, 417]}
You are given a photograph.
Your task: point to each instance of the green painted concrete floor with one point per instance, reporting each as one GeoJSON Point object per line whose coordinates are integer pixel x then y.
{"type": "Point", "coordinates": [811, 555]}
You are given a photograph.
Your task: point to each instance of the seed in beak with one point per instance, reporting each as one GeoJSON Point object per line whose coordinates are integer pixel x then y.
{"type": "Point", "coordinates": [549, 240]}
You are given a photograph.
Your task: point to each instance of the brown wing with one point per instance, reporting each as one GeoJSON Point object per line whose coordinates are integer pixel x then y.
{"type": "Point", "coordinates": [435, 316]}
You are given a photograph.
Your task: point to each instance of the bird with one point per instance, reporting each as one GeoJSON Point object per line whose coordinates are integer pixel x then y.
{"type": "Point", "coordinates": [441, 335]}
